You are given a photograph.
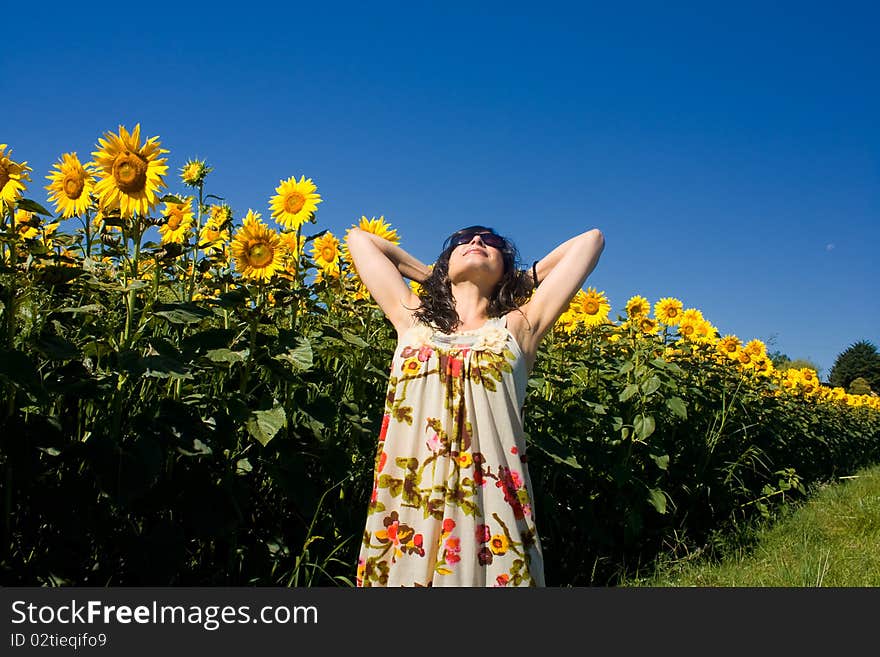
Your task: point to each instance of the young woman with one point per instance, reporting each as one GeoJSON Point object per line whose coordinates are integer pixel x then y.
{"type": "Point", "coordinates": [452, 502]}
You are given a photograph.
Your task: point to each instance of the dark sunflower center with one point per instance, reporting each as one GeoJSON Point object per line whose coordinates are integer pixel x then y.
{"type": "Point", "coordinates": [4, 176]}
{"type": "Point", "coordinates": [591, 306]}
{"type": "Point", "coordinates": [130, 172]}
{"type": "Point", "coordinates": [294, 202]}
{"type": "Point", "coordinates": [260, 254]}
{"type": "Point", "coordinates": [328, 253]}
{"type": "Point", "coordinates": [73, 186]}
{"type": "Point", "coordinates": [174, 220]}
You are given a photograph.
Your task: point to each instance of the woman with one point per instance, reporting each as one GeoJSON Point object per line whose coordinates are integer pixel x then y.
{"type": "Point", "coordinates": [451, 502]}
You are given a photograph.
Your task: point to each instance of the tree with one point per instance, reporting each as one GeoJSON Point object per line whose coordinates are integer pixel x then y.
{"type": "Point", "coordinates": [860, 359]}
{"type": "Point", "coordinates": [859, 386]}
{"type": "Point", "coordinates": [780, 360]}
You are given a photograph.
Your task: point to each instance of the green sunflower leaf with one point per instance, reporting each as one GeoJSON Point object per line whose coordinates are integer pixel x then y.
{"type": "Point", "coordinates": [265, 425]}
{"type": "Point", "coordinates": [28, 205]}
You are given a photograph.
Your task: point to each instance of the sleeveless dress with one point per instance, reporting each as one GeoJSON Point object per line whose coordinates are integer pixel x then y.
{"type": "Point", "coordinates": [451, 503]}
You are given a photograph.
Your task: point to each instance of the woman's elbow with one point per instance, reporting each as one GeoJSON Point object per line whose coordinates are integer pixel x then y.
{"type": "Point", "coordinates": [353, 235]}
{"type": "Point", "coordinates": [596, 236]}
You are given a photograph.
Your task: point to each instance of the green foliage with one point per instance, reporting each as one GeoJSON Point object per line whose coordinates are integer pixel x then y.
{"type": "Point", "coordinates": [859, 386]}
{"type": "Point", "coordinates": [152, 436]}
{"type": "Point", "coordinates": [828, 540]}
{"type": "Point", "coordinates": [860, 359]}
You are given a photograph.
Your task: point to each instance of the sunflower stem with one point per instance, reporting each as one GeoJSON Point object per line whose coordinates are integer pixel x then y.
{"type": "Point", "coordinates": [294, 307]}
{"type": "Point", "coordinates": [195, 248]}
{"type": "Point", "coordinates": [10, 292]}
{"type": "Point", "coordinates": [252, 345]}
{"type": "Point", "coordinates": [129, 306]}
{"type": "Point", "coordinates": [87, 223]}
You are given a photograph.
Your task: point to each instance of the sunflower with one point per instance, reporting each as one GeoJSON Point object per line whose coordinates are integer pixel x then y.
{"type": "Point", "coordinates": [692, 314]}
{"type": "Point", "coordinates": [744, 358]}
{"type": "Point", "coordinates": [131, 173]}
{"type": "Point", "coordinates": [29, 227]}
{"type": "Point", "coordinates": [71, 185]}
{"type": "Point", "coordinates": [729, 345]}
{"type": "Point", "coordinates": [647, 324]}
{"type": "Point", "coordinates": [194, 172]}
{"type": "Point", "coordinates": [11, 175]}
{"type": "Point", "coordinates": [295, 203]}
{"type": "Point", "coordinates": [220, 216]}
{"type": "Point", "coordinates": [637, 306]}
{"type": "Point", "coordinates": [668, 310]}
{"type": "Point", "coordinates": [375, 226]}
{"type": "Point", "coordinates": [763, 366]}
{"type": "Point", "coordinates": [257, 249]}
{"type": "Point", "coordinates": [705, 331]}
{"type": "Point", "coordinates": [178, 222]}
{"type": "Point", "coordinates": [567, 321]}
{"type": "Point", "coordinates": [755, 348]}
{"type": "Point", "coordinates": [809, 374]}
{"type": "Point", "coordinates": [356, 288]}
{"type": "Point", "coordinates": [27, 224]}
{"type": "Point", "coordinates": [325, 251]}
{"type": "Point", "coordinates": [591, 307]}
{"type": "Point", "coordinates": [687, 328]}
{"type": "Point", "coordinates": [213, 239]}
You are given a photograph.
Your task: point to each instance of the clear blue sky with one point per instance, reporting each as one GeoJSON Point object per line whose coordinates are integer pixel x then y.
{"type": "Point", "coordinates": [730, 155]}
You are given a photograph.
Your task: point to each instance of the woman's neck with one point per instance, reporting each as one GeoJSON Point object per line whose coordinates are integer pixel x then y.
{"type": "Point", "coordinates": [471, 304]}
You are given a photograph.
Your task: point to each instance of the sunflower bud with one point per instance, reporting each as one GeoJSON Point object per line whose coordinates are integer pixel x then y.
{"type": "Point", "coordinates": [194, 173]}
{"type": "Point", "coordinates": [221, 216]}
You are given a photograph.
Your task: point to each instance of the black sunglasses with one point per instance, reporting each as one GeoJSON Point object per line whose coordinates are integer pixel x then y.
{"type": "Point", "coordinates": [489, 239]}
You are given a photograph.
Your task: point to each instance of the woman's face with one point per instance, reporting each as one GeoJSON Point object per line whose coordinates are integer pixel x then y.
{"type": "Point", "coordinates": [477, 256]}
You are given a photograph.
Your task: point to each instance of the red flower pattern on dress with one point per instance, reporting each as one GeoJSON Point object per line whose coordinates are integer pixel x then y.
{"type": "Point", "coordinates": [453, 549]}
{"type": "Point", "coordinates": [510, 482]}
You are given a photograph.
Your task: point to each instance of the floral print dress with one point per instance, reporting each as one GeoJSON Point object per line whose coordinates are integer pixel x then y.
{"type": "Point", "coordinates": [451, 502]}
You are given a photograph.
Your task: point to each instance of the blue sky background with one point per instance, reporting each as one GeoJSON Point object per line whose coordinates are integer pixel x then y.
{"type": "Point", "coordinates": [730, 154]}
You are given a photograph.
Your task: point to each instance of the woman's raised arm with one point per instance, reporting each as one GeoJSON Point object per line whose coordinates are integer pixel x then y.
{"type": "Point", "coordinates": [561, 273]}
{"type": "Point", "coordinates": [382, 266]}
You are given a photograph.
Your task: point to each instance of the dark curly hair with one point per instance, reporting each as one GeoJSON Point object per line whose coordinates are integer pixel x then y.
{"type": "Point", "coordinates": [438, 304]}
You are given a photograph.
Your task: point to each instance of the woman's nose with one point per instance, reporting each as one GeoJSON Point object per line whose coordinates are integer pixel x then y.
{"type": "Point", "coordinates": [477, 237]}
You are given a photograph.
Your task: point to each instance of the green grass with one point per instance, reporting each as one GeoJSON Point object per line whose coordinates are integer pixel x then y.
{"type": "Point", "coordinates": [830, 540]}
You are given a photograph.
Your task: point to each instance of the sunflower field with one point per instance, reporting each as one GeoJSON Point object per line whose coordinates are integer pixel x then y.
{"type": "Point", "coordinates": [193, 398]}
